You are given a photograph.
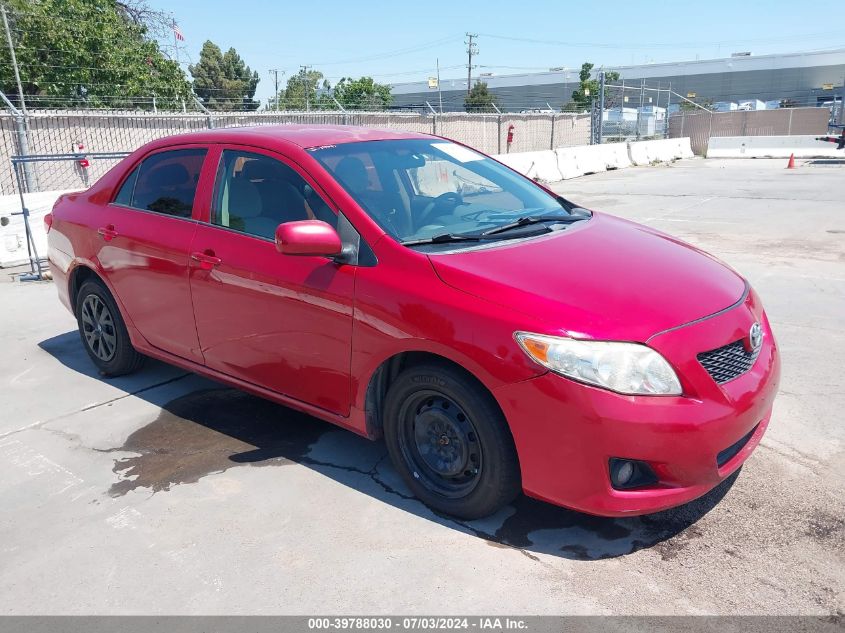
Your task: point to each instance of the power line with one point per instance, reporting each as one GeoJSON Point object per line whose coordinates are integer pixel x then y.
{"type": "Point", "coordinates": [396, 53]}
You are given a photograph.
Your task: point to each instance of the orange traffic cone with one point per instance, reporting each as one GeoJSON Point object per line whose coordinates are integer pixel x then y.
{"type": "Point", "coordinates": [791, 164]}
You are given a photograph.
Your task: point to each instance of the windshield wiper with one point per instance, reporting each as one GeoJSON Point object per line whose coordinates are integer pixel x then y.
{"type": "Point", "coordinates": [443, 238]}
{"type": "Point", "coordinates": [533, 219]}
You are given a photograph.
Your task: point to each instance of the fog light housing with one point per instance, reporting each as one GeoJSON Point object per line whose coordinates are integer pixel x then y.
{"type": "Point", "coordinates": [626, 474]}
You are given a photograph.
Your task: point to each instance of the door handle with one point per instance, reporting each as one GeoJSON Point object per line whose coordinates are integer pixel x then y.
{"type": "Point", "coordinates": [207, 259]}
{"type": "Point", "coordinates": [107, 232]}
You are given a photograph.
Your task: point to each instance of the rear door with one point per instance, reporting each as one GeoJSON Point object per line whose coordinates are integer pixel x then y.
{"type": "Point", "coordinates": [273, 320]}
{"type": "Point", "coordinates": [143, 243]}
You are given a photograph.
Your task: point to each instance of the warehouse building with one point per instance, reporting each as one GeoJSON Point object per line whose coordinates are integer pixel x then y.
{"type": "Point", "coordinates": [805, 79]}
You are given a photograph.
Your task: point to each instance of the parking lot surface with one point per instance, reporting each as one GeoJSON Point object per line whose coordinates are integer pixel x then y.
{"type": "Point", "coordinates": [165, 493]}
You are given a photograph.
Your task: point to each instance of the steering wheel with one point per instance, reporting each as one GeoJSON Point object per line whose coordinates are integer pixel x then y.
{"type": "Point", "coordinates": [448, 199]}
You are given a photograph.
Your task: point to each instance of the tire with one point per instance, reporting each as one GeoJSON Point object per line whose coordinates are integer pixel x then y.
{"type": "Point", "coordinates": [450, 442]}
{"type": "Point", "coordinates": [103, 331]}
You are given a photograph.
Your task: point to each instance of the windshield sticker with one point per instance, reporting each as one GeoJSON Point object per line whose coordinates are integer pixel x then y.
{"type": "Point", "coordinates": [319, 147]}
{"type": "Point", "coordinates": [458, 152]}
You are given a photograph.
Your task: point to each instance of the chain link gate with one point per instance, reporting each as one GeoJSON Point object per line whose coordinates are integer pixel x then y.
{"type": "Point", "coordinates": [22, 166]}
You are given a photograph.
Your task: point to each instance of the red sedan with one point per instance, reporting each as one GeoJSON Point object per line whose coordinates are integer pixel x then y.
{"type": "Point", "coordinates": [499, 337]}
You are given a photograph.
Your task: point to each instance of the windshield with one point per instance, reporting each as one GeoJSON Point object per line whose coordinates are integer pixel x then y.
{"type": "Point", "coordinates": [433, 191]}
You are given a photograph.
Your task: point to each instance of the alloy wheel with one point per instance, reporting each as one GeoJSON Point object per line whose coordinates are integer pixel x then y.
{"type": "Point", "coordinates": [98, 327]}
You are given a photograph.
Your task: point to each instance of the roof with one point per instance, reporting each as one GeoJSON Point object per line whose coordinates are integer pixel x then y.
{"type": "Point", "coordinates": [309, 135]}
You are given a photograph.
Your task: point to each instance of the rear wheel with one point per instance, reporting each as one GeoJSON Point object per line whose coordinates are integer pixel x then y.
{"type": "Point", "coordinates": [450, 442]}
{"type": "Point", "coordinates": [103, 331]}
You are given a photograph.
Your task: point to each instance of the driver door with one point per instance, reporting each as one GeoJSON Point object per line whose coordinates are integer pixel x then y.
{"type": "Point", "coordinates": [281, 322]}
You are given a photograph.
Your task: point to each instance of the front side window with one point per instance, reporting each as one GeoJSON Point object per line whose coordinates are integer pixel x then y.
{"type": "Point", "coordinates": [422, 190]}
{"type": "Point", "coordinates": [255, 193]}
{"type": "Point", "coordinates": [165, 182]}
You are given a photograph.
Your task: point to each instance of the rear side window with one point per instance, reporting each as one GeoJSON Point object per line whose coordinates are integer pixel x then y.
{"type": "Point", "coordinates": [124, 196]}
{"type": "Point", "coordinates": [165, 182]}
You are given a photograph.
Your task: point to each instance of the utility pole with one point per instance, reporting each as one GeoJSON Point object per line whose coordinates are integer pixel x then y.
{"type": "Point", "coordinates": [472, 49]}
{"type": "Point", "coordinates": [304, 72]}
{"type": "Point", "coordinates": [275, 72]}
{"type": "Point", "coordinates": [14, 58]}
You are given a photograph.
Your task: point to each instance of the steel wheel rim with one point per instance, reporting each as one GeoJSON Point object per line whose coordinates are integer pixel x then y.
{"type": "Point", "coordinates": [440, 444]}
{"type": "Point", "coordinates": [98, 327]}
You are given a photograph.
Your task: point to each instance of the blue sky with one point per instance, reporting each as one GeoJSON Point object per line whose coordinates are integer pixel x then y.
{"type": "Point", "coordinates": [400, 41]}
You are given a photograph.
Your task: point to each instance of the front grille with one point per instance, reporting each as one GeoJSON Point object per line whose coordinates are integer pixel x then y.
{"type": "Point", "coordinates": [731, 451]}
{"type": "Point", "coordinates": [728, 362]}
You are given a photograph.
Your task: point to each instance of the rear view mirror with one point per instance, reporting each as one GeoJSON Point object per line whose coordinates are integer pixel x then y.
{"type": "Point", "coordinates": [308, 237]}
{"type": "Point", "coordinates": [412, 161]}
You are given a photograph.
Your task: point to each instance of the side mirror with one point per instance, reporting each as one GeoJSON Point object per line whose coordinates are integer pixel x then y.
{"type": "Point", "coordinates": [308, 237]}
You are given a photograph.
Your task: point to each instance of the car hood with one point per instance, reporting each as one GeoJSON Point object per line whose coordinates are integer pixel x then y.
{"type": "Point", "coordinates": [605, 278]}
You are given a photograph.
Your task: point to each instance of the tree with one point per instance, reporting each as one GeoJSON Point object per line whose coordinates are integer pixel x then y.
{"type": "Point", "coordinates": [138, 12]}
{"type": "Point", "coordinates": [362, 94]}
{"type": "Point", "coordinates": [87, 53]}
{"type": "Point", "coordinates": [301, 92]}
{"type": "Point", "coordinates": [582, 98]}
{"type": "Point", "coordinates": [690, 106]}
{"type": "Point", "coordinates": [224, 81]}
{"type": "Point", "coordinates": [480, 99]}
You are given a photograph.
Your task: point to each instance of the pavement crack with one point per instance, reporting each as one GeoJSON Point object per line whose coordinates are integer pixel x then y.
{"type": "Point", "coordinates": [41, 423]}
{"type": "Point", "coordinates": [135, 393]}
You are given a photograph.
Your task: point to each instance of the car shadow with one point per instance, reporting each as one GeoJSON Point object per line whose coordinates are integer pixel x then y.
{"type": "Point", "coordinates": [210, 429]}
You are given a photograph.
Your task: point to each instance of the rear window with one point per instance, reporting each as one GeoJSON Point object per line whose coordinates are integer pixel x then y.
{"type": "Point", "coordinates": [165, 182]}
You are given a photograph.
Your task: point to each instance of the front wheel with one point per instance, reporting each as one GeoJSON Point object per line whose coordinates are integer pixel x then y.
{"type": "Point", "coordinates": [450, 442]}
{"type": "Point", "coordinates": [103, 332]}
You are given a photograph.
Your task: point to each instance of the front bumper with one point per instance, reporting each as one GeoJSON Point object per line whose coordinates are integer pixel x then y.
{"type": "Point", "coordinates": [565, 432]}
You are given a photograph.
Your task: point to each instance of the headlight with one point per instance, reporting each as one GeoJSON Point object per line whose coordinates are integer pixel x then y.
{"type": "Point", "coordinates": [628, 368]}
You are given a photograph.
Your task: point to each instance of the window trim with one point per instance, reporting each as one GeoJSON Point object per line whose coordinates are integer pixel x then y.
{"type": "Point", "coordinates": [222, 147]}
{"type": "Point", "coordinates": [137, 164]}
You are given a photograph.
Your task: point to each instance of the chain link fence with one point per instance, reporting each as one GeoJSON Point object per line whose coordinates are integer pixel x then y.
{"type": "Point", "coordinates": [49, 132]}
{"type": "Point", "coordinates": [700, 125]}
{"type": "Point", "coordinates": [81, 132]}
{"type": "Point", "coordinates": [635, 111]}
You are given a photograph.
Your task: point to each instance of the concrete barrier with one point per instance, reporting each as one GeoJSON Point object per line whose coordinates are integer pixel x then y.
{"type": "Point", "coordinates": [615, 155]}
{"type": "Point", "coordinates": [541, 166]}
{"type": "Point", "coordinates": [13, 249]}
{"type": "Point", "coordinates": [570, 162]}
{"type": "Point", "coordinates": [579, 160]}
{"type": "Point", "coordinates": [664, 150]}
{"type": "Point", "coordinates": [771, 147]}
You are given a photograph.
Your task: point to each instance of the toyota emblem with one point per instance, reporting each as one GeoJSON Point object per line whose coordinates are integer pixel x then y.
{"type": "Point", "coordinates": [755, 337]}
